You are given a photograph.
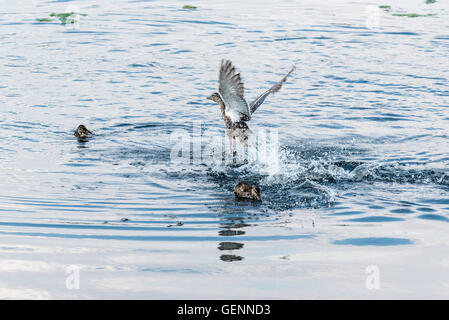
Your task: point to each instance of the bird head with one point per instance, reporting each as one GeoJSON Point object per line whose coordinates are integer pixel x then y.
{"type": "Point", "coordinates": [215, 97]}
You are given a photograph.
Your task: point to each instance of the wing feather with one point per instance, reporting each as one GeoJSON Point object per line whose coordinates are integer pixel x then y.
{"type": "Point", "coordinates": [260, 99]}
{"type": "Point", "coordinates": [232, 90]}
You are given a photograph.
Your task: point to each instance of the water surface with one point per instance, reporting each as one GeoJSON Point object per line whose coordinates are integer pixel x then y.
{"type": "Point", "coordinates": [362, 176]}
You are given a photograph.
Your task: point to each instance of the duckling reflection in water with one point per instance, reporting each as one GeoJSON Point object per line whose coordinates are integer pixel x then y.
{"type": "Point", "coordinates": [246, 191]}
{"type": "Point", "coordinates": [81, 132]}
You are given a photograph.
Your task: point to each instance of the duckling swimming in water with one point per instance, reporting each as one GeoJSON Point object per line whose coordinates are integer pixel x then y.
{"type": "Point", "coordinates": [244, 190]}
{"type": "Point", "coordinates": [82, 132]}
{"type": "Point", "coordinates": [235, 110]}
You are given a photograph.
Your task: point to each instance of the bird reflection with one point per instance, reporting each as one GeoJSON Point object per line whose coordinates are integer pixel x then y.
{"type": "Point", "coordinates": [234, 215]}
{"type": "Point", "coordinates": [230, 257]}
{"type": "Point", "coordinates": [230, 227]}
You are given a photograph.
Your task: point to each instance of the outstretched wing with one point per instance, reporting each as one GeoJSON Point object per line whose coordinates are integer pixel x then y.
{"type": "Point", "coordinates": [260, 99]}
{"type": "Point", "coordinates": [232, 91]}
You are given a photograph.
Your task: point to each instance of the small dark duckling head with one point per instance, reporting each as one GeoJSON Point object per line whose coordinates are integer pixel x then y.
{"type": "Point", "coordinates": [82, 132]}
{"type": "Point", "coordinates": [244, 190]}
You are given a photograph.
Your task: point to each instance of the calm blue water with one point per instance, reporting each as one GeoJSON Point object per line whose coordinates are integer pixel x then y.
{"type": "Point", "coordinates": [362, 176]}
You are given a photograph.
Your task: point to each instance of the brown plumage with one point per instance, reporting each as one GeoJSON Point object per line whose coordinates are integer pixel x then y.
{"type": "Point", "coordinates": [235, 110]}
{"type": "Point", "coordinates": [234, 130]}
{"type": "Point", "coordinates": [216, 98]}
{"type": "Point", "coordinates": [244, 190]}
{"type": "Point", "coordinates": [82, 132]}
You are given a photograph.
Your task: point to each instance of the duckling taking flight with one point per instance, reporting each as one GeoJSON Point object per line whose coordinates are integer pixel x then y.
{"type": "Point", "coordinates": [235, 110]}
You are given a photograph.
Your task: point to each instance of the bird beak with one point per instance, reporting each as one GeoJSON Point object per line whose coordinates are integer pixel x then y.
{"type": "Point", "coordinates": [209, 98]}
